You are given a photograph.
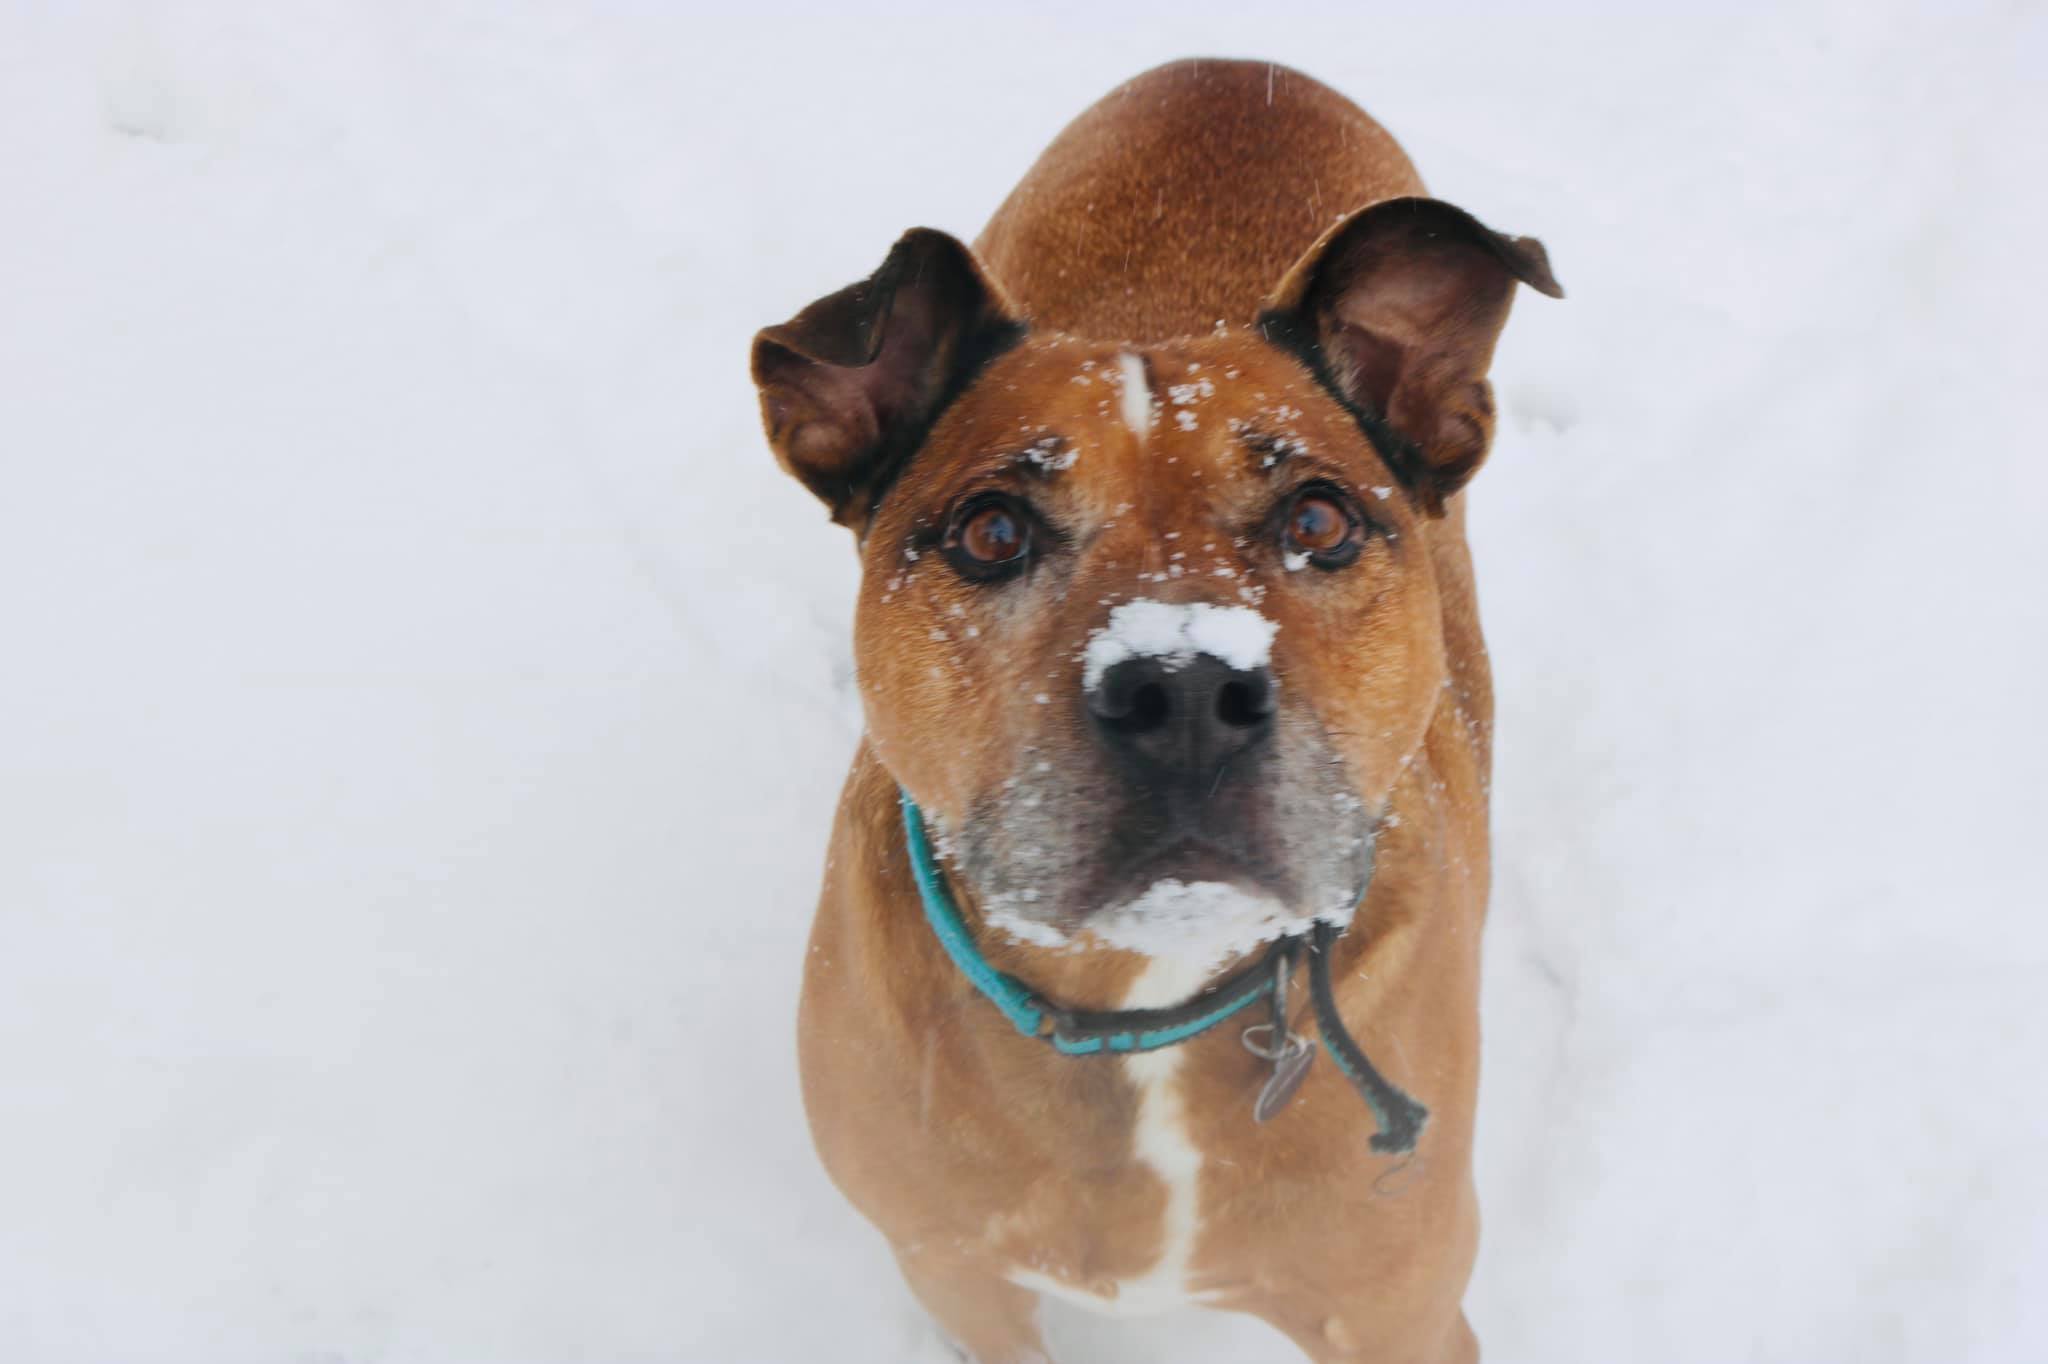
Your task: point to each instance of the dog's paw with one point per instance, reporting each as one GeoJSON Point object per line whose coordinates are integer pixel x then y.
{"type": "Point", "coordinates": [930, 1345]}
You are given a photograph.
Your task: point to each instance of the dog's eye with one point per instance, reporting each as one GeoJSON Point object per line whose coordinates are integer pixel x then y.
{"type": "Point", "coordinates": [1322, 526]}
{"type": "Point", "coordinates": [989, 537]}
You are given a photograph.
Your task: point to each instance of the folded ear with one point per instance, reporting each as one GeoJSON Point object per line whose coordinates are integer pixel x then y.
{"type": "Point", "coordinates": [1398, 307]}
{"type": "Point", "coordinates": [850, 385]}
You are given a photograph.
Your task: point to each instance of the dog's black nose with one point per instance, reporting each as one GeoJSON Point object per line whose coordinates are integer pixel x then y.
{"type": "Point", "coordinates": [1182, 719]}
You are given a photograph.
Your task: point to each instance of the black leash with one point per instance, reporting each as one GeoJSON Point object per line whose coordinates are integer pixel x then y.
{"type": "Point", "coordinates": [1400, 1117]}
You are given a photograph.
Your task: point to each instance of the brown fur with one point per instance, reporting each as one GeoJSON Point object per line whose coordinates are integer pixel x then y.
{"type": "Point", "coordinates": [1193, 194]}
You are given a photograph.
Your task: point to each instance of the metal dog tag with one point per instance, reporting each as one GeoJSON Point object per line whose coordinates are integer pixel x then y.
{"type": "Point", "coordinates": [1290, 1068]}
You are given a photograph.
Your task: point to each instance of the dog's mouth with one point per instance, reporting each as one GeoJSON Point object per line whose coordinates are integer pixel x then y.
{"type": "Point", "coordinates": [1192, 898]}
{"type": "Point", "coordinates": [1189, 896]}
{"type": "Point", "coordinates": [1060, 861]}
{"type": "Point", "coordinates": [1188, 859]}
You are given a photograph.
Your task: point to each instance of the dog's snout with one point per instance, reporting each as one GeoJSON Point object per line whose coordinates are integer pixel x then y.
{"type": "Point", "coordinates": [1181, 718]}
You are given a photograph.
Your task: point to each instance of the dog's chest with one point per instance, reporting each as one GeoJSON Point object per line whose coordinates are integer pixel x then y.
{"type": "Point", "coordinates": [1161, 1143]}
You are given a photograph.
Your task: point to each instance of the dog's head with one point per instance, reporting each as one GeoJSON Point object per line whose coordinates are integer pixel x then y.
{"type": "Point", "coordinates": [1150, 632]}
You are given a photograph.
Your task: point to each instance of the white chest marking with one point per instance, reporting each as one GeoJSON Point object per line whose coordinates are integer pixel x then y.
{"type": "Point", "coordinates": [1136, 394]}
{"type": "Point", "coordinates": [1161, 1140]}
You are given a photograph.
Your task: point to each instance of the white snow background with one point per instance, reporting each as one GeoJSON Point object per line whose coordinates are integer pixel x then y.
{"type": "Point", "coordinates": [422, 702]}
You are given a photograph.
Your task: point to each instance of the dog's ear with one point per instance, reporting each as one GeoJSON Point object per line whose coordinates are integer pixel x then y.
{"type": "Point", "coordinates": [850, 384]}
{"type": "Point", "coordinates": [1398, 307]}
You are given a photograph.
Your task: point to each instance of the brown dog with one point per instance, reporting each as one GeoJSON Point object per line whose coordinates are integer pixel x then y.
{"type": "Point", "coordinates": [1167, 626]}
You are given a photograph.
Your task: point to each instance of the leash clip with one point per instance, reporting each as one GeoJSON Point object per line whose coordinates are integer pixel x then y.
{"type": "Point", "coordinates": [1290, 1052]}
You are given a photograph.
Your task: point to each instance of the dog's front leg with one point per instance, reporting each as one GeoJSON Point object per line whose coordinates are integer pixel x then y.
{"type": "Point", "coordinates": [992, 1319]}
{"type": "Point", "coordinates": [1340, 1332]}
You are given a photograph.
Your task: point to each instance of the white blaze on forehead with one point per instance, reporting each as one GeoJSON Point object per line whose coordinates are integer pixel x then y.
{"type": "Point", "coordinates": [1177, 632]}
{"type": "Point", "coordinates": [1136, 395]}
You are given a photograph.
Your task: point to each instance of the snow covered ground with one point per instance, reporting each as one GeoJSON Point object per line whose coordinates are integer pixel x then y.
{"type": "Point", "coordinates": [423, 702]}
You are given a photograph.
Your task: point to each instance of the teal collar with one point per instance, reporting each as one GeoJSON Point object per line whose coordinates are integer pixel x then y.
{"type": "Point", "coordinates": [1081, 1033]}
{"type": "Point", "coordinates": [1072, 1031]}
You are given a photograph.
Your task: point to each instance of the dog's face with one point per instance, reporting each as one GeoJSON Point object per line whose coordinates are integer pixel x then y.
{"type": "Point", "coordinates": [1150, 632]}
